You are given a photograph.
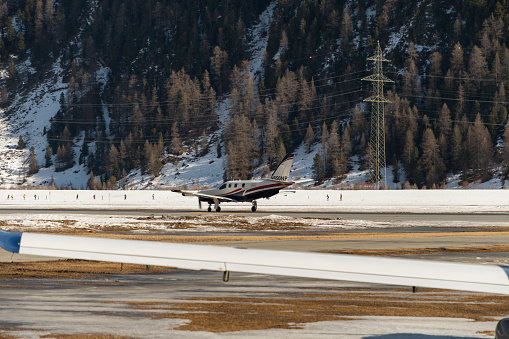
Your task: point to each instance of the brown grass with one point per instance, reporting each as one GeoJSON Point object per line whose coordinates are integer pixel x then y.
{"type": "Point", "coordinates": [280, 237]}
{"type": "Point", "coordinates": [71, 269]}
{"type": "Point", "coordinates": [293, 310]}
{"type": "Point", "coordinates": [84, 336]}
{"type": "Point", "coordinates": [438, 250]}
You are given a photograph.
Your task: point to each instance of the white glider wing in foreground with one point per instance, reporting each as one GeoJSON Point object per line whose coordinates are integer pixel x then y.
{"type": "Point", "coordinates": [382, 270]}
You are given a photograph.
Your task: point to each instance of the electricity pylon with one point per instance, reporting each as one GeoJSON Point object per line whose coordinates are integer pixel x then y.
{"type": "Point", "coordinates": [377, 133]}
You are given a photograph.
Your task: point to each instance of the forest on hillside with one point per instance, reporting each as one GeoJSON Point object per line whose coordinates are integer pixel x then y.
{"type": "Point", "coordinates": [172, 62]}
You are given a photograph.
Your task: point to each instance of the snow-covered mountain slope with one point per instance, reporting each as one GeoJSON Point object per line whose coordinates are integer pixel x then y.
{"type": "Point", "coordinates": [35, 100]}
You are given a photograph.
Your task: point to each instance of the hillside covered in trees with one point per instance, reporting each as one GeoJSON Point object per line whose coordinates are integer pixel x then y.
{"type": "Point", "coordinates": [254, 80]}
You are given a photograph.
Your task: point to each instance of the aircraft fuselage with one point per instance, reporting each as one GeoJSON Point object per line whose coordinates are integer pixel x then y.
{"type": "Point", "coordinates": [245, 190]}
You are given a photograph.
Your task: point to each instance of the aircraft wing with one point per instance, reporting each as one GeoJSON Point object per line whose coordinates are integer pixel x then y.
{"type": "Point", "coordinates": [207, 196]}
{"type": "Point", "coordinates": [382, 270]}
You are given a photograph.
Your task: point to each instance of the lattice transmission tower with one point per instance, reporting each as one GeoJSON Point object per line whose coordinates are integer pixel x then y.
{"type": "Point", "coordinates": [377, 133]}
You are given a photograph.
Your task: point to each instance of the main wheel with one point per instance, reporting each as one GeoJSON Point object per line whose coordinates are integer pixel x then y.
{"type": "Point", "coordinates": [253, 208]}
{"type": "Point", "coordinates": [218, 209]}
{"type": "Point", "coordinates": [209, 209]}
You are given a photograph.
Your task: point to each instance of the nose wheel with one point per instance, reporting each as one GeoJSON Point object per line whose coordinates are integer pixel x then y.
{"type": "Point", "coordinates": [254, 207]}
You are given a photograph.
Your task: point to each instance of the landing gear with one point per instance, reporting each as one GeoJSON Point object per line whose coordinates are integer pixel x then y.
{"type": "Point", "coordinates": [216, 206]}
{"type": "Point", "coordinates": [255, 205]}
{"type": "Point", "coordinates": [209, 209]}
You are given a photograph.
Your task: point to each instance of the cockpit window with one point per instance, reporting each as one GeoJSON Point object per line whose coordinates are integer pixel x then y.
{"type": "Point", "coordinates": [223, 186]}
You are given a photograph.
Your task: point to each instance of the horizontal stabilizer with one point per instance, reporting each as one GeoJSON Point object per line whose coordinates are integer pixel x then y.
{"type": "Point", "coordinates": [303, 180]}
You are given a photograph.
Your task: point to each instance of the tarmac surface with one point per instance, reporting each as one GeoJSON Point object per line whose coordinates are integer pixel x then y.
{"type": "Point", "coordinates": [103, 305]}
{"type": "Point", "coordinates": [369, 216]}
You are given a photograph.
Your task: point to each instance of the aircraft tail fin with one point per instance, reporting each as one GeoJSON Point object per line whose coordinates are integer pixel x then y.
{"type": "Point", "coordinates": [282, 172]}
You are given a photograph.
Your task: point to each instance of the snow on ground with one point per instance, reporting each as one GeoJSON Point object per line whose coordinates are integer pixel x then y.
{"type": "Point", "coordinates": [408, 201]}
{"type": "Point", "coordinates": [385, 328]}
{"type": "Point", "coordinates": [259, 37]}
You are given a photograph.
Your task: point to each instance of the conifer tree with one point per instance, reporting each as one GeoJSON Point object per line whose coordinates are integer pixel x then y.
{"type": "Point", "coordinates": [147, 158]}
{"type": "Point", "coordinates": [444, 121]}
{"type": "Point", "coordinates": [410, 77]}
{"type": "Point", "coordinates": [324, 140]}
{"type": "Point", "coordinates": [408, 151]}
{"type": "Point", "coordinates": [286, 90]}
{"type": "Point", "coordinates": [113, 166]}
{"type": "Point", "coordinates": [304, 95]}
{"type": "Point", "coordinates": [309, 138]}
{"type": "Point", "coordinates": [477, 66]}
{"type": "Point", "coordinates": [435, 70]}
{"type": "Point", "coordinates": [286, 136]}
{"type": "Point", "coordinates": [83, 153]}
{"type": "Point", "coordinates": [281, 150]}
{"type": "Point", "coordinates": [480, 147]}
{"type": "Point", "coordinates": [346, 27]}
{"type": "Point", "coordinates": [346, 142]}
{"type": "Point", "coordinates": [240, 148]}
{"type": "Point", "coordinates": [496, 68]}
{"type": "Point", "coordinates": [176, 143]}
{"type": "Point", "coordinates": [33, 167]}
{"type": "Point", "coordinates": [39, 16]}
{"type": "Point", "coordinates": [209, 98]}
{"type": "Point", "coordinates": [318, 170]}
{"type": "Point", "coordinates": [431, 159]}
{"type": "Point", "coordinates": [21, 43]}
{"type": "Point", "coordinates": [47, 157]}
{"type": "Point", "coordinates": [457, 62]}
{"type": "Point", "coordinates": [333, 145]}
{"type": "Point", "coordinates": [21, 143]}
{"type": "Point", "coordinates": [270, 133]}
{"type": "Point", "coordinates": [505, 154]}
{"type": "Point", "coordinates": [358, 123]}
{"type": "Point", "coordinates": [218, 62]}
{"type": "Point", "coordinates": [295, 131]}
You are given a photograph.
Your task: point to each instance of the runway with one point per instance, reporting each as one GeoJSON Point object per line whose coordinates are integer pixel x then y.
{"type": "Point", "coordinates": [153, 305]}
{"type": "Point", "coordinates": [371, 216]}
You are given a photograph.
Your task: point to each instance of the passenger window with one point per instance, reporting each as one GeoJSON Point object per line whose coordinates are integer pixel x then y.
{"type": "Point", "coordinates": [243, 185]}
{"type": "Point", "coordinates": [230, 185]}
{"type": "Point", "coordinates": [235, 185]}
